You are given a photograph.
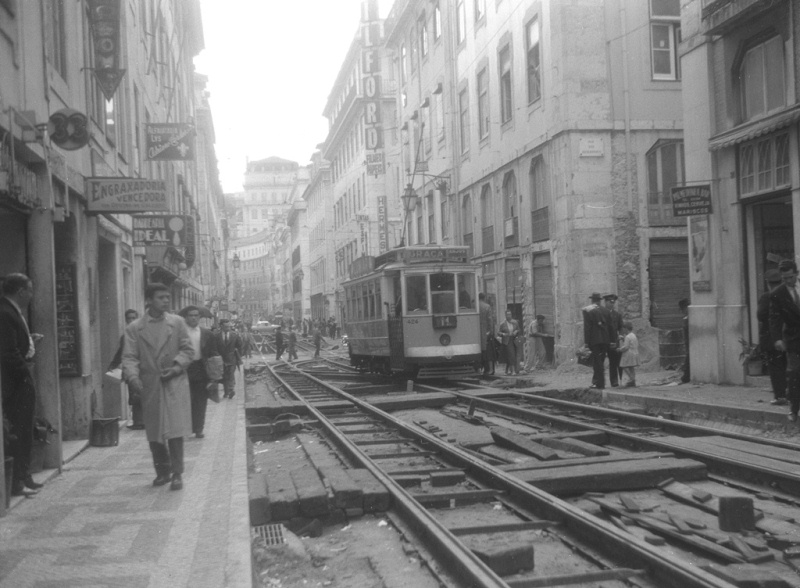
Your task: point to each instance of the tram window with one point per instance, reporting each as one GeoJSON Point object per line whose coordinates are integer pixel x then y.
{"type": "Point", "coordinates": [359, 303]}
{"type": "Point", "coordinates": [371, 300]}
{"type": "Point", "coordinates": [378, 301]}
{"type": "Point", "coordinates": [466, 292]}
{"type": "Point", "coordinates": [443, 293]}
{"type": "Point", "coordinates": [417, 293]}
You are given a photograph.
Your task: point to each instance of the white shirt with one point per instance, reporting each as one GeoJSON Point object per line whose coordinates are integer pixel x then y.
{"type": "Point", "coordinates": [194, 336]}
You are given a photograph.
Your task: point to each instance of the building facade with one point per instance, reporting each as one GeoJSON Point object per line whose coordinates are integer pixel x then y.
{"type": "Point", "coordinates": [739, 57]}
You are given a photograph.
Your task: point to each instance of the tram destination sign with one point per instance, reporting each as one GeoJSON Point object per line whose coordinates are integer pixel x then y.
{"type": "Point", "coordinates": [691, 200]}
{"type": "Point", "coordinates": [126, 195]}
{"type": "Point", "coordinates": [424, 255]}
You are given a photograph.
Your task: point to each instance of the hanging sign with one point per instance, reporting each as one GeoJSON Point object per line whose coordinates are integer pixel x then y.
{"type": "Point", "coordinates": [126, 195]}
{"type": "Point", "coordinates": [170, 142]}
{"type": "Point", "coordinates": [691, 200]}
{"type": "Point", "coordinates": [383, 226]}
{"type": "Point", "coordinates": [371, 66]}
{"type": "Point", "coordinates": [160, 229]}
{"type": "Point", "coordinates": [104, 18]}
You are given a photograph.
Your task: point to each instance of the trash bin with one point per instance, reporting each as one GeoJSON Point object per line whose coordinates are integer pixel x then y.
{"type": "Point", "coordinates": [104, 432]}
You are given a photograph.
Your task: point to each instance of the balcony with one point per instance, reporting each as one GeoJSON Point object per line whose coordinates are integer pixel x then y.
{"type": "Point", "coordinates": [511, 232]}
{"type": "Point", "coordinates": [487, 239]}
{"type": "Point", "coordinates": [540, 224]}
{"type": "Point", "coordinates": [659, 211]}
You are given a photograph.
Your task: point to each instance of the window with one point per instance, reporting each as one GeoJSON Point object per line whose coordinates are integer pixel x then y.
{"type": "Point", "coordinates": [438, 103]}
{"type": "Point", "coordinates": [540, 201]}
{"type": "Point", "coordinates": [510, 195]}
{"type": "Point", "coordinates": [506, 102]}
{"type": "Point", "coordinates": [463, 119]}
{"type": "Point", "coordinates": [417, 293]}
{"type": "Point", "coordinates": [466, 291]}
{"type": "Point", "coordinates": [665, 34]}
{"type": "Point", "coordinates": [55, 37]}
{"type": "Point", "coordinates": [431, 217]}
{"type": "Point", "coordinates": [466, 222]}
{"type": "Point", "coordinates": [483, 104]}
{"type": "Point", "coordinates": [443, 293]}
{"type": "Point", "coordinates": [532, 57]}
{"type": "Point", "coordinates": [480, 10]}
{"type": "Point", "coordinates": [414, 52]}
{"type": "Point", "coordinates": [762, 79]}
{"type": "Point", "coordinates": [403, 64]}
{"type": "Point", "coordinates": [437, 22]}
{"type": "Point", "coordinates": [423, 36]}
{"type": "Point", "coordinates": [461, 21]}
{"type": "Point", "coordinates": [764, 165]}
{"type": "Point", "coordinates": [665, 169]}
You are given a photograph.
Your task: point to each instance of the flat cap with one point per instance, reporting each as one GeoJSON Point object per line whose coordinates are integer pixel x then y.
{"type": "Point", "coordinates": [595, 296]}
{"type": "Point", "coordinates": [610, 297]}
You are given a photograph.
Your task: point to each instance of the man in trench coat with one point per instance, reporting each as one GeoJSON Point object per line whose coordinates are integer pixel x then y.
{"type": "Point", "coordinates": [157, 352]}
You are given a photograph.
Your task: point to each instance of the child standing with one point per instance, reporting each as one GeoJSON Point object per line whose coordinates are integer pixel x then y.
{"type": "Point", "coordinates": [630, 354]}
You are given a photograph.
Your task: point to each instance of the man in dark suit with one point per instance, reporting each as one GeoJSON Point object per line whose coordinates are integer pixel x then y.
{"type": "Point", "coordinates": [776, 360]}
{"type": "Point", "coordinates": [229, 346]}
{"type": "Point", "coordinates": [784, 327]}
{"type": "Point", "coordinates": [16, 374]}
{"type": "Point", "coordinates": [613, 346]}
{"type": "Point", "coordinates": [597, 336]}
{"type": "Point", "coordinates": [510, 332]}
{"type": "Point", "coordinates": [205, 346]}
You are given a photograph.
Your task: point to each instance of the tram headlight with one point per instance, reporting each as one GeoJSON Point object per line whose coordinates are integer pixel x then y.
{"type": "Point", "coordinates": [444, 339]}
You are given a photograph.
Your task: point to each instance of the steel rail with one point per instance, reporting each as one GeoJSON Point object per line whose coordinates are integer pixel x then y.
{"type": "Point", "coordinates": [787, 481]}
{"type": "Point", "coordinates": [459, 561]}
{"type": "Point", "coordinates": [636, 552]}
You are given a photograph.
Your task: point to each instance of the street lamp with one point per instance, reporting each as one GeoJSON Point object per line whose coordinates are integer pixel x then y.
{"type": "Point", "coordinates": [409, 198]}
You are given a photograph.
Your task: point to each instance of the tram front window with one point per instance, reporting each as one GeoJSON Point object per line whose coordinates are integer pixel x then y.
{"type": "Point", "coordinates": [466, 292]}
{"type": "Point", "coordinates": [417, 293]}
{"type": "Point", "coordinates": [443, 293]}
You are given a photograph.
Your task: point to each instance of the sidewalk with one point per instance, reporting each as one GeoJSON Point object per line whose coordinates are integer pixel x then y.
{"type": "Point", "coordinates": [102, 523]}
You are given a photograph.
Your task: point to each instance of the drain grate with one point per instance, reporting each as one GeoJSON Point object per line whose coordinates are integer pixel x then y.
{"type": "Point", "coordinates": [270, 534]}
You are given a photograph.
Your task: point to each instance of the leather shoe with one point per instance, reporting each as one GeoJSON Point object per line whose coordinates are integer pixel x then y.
{"type": "Point", "coordinates": [161, 479]}
{"type": "Point", "coordinates": [199, 435]}
{"type": "Point", "coordinates": [177, 483]}
{"type": "Point", "coordinates": [21, 490]}
{"type": "Point", "coordinates": [779, 402]}
{"type": "Point", "coordinates": [29, 483]}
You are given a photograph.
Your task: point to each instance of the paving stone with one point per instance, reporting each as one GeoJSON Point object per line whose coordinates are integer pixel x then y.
{"type": "Point", "coordinates": [506, 559]}
{"type": "Point", "coordinates": [311, 492]}
{"type": "Point", "coordinates": [376, 497]}
{"type": "Point", "coordinates": [447, 478]}
{"type": "Point", "coordinates": [259, 499]}
{"type": "Point", "coordinates": [347, 493]}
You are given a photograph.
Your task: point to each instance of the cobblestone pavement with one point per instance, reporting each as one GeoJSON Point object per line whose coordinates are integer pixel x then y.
{"type": "Point", "coordinates": [102, 523]}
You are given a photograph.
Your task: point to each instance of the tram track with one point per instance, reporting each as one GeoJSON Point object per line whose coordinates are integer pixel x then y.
{"type": "Point", "coordinates": [378, 441]}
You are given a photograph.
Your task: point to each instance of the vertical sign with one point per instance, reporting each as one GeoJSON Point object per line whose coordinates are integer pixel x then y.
{"type": "Point", "coordinates": [104, 18]}
{"type": "Point", "coordinates": [69, 359]}
{"type": "Point", "coordinates": [371, 80]}
{"type": "Point", "coordinates": [701, 257]}
{"type": "Point", "coordinates": [383, 226]}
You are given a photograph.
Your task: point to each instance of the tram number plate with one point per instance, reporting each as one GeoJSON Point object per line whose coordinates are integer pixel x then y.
{"type": "Point", "coordinates": [445, 322]}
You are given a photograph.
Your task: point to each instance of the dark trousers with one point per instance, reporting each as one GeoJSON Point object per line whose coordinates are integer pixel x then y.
{"type": "Point", "coordinates": [776, 365]}
{"type": "Point", "coordinates": [316, 347]}
{"type": "Point", "coordinates": [599, 352]}
{"type": "Point", "coordinates": [168, 458]}
{"type": "Point", "coordinates": [292, 352]}
{"type": "Point", "coordinates": [199, 394]}
{"type": "Point", "coordinates": [613, 366]}
{"type": "Point", "coordinates": [793, 379]}
{"type": "Point", "coordinates": [18, 408]}
{"type": "Point", "coordinates": [229, 380]}
{"type": "Point", "coordinates": [278, 352]}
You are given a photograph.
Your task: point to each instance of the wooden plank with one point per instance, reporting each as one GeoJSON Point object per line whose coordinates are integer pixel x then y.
{"type": "Point", "coordinates": [410, 401]}
{"type": "Point", "coordinates": [606, 477]}
{"type": "Point", "coordinates": [567, 579]}
{"type": "Point", "coordinates": [686, 494]}
{"type": "Point", "coordinates": [614, 457]}
{"type": "Point", "coordinates": [400, 455]}
{"type": "Point", "coordinates": [503, 528]}
{"type": "Point", "coordinates": [395, 440]}
{"type": "Point", "coordinates": [508, 438]}
{"type": "Point", "coordinates": [460, 497]}
{"type": "Point", "coordinates": [596, 437]}
{"type": "Point", "coordinates": [770, 451]}
{"type": "Point", "coordinates": [576, 446]}
{"type": "Point", "coordinates": [507, 455]}
{"type": "Point", "coordinates": [698, 444]}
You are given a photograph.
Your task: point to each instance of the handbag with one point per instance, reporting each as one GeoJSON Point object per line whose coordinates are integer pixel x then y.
{"type": "Point", "coordinates": [214, 368]}
{"type": "Point", "coordinates": [213, 392]}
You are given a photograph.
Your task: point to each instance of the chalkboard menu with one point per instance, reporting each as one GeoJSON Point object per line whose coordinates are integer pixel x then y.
{"type": "Point", "coordinates": [69, 357]}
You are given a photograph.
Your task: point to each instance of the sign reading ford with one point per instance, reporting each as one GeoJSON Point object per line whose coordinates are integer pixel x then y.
{"type": "Point", "coordinates": [126, 195]}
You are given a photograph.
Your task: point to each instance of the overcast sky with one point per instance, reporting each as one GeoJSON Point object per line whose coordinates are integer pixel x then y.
{"type": "Point", "coordinates": [271, 65]}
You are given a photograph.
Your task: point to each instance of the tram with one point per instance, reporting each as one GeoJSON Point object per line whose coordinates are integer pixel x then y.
{"type": "Point", "coordinates": [414, 310]}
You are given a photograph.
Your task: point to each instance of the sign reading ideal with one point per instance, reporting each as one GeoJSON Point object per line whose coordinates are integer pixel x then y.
{"type": "Point", "coordinates": [170, 142]}
{"type": "Point", "coordinates": [126, 195]}
{"type": "Point", "coordinates": [160, 229]}
{"type": "Point", "coordinates": [691, 200]}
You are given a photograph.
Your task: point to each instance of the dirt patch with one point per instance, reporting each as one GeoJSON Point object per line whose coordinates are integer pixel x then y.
{"type": "Point", "coordinates": [366, 553]}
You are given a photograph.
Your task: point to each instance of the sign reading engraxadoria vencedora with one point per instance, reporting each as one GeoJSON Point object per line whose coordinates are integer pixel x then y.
{"type": "Point", "coordinates": [170, 141]}
{"type": "Point", "coordinates": [160, 229]}
{"type": "Point", "coordinates": [126, 195]}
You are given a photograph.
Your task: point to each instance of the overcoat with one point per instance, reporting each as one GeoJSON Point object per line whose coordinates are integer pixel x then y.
{"type": "Point", "coordinates": [166, 406]}
{"type": "Point", "coordinates": [487, 323]}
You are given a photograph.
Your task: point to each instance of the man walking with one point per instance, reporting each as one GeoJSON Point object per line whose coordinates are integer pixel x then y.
{"type": "Point", "coordinates": [229, 346]}
{"type": "Point", "coordinates": [157, 352]}
{"type": "Point", "coordinates": [205, 346]}
{"type": "Point", "coordinates": [509, 332]}
{"type": "Point", "coordinates": [16, 372]}
{"type": "Point", "coordinates": [318, 338]}
{"type": "Point", "coordinates": [136, 406]}
{"type": "Point", "coordinates": [278, 343]}
{"type": "Point", "coordinates": [597, 336]}
{"type": "Point", "coordinates": [776, 360]}
{"type": "Point", "coordinates": [292, 348]}
{"type": "Point", "coordinates": [683, 304]}
{"type": "Point", "coordinates": [784, 326]}
{"type": "Point", "coordinates": [615, 324]}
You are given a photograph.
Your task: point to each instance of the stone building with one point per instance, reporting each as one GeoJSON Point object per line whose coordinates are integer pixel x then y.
{"type": "Point", "coordinates": [85, 267]}
{"type": "Point", "coordinates": [321, 242]}
{"type": "Point", "coordinates": [739, 60]}
{"type": "Point", "coordinates": [546, 135]}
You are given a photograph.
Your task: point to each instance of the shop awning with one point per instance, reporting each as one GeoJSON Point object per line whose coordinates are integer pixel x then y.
{"type": "Point", "coordinates": [754, 129]}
